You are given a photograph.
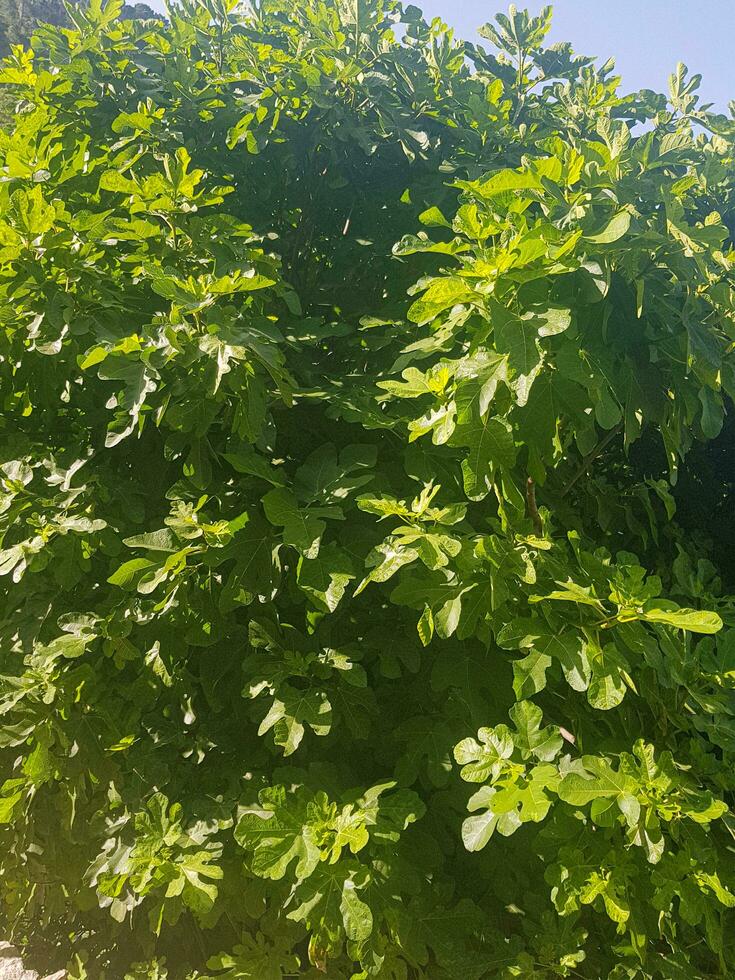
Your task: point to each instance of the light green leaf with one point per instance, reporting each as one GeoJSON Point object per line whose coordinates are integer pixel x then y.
{"type": "Point", "coordinates": [529, 674]}
{"type": "Point", "coordinates": [616, 227]}
{"type": "Point", "coordinates": [356, 914]}
{"type": "Point", "coordinates": [694, 620]}
{"type": "Point", "coordinates": [325, 578]}
{"type": "Point", "coordinates": [478, 829]}
{"type": "Point", "coordinates": [599, 781]}
{"type": "Point", "coordinates": [127, 575]}
{"type": "Point", "coordinates": [163, 540]}
{"type": "Point", "coordinates": [439, 296]}
{"type": "Point", "coordinates": [7, 806]}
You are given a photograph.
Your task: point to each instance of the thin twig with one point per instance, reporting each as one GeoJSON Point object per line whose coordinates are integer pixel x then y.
{"type": "Point", "coordinates": [532, 508]}
{"type": "Point", "coordinates": [591, 457]}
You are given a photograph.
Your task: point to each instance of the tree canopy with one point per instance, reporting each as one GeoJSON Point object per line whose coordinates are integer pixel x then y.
{"type": "Point", "coordinates": [19, 18]}
{"type": "Point", "coordinates": [366, 461]}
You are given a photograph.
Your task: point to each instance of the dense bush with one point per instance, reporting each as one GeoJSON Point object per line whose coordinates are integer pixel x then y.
{"type": "Point", "coordinates": [343, 633]}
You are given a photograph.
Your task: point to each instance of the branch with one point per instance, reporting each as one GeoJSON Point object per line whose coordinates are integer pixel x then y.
{"type": "Point", "coordinates": [532, 508]}
{"type": "Point", "coordinates": [591, 457]}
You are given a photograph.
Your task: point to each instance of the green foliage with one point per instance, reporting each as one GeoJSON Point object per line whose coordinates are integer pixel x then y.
{"type": "Point", "coordinates": [358, 386]}
{"type": "Point", "coordinates": [18, 21]}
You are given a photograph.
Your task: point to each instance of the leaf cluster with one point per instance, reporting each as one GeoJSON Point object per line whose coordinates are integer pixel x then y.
{"type": "Point", "coordinates": [353, 378]}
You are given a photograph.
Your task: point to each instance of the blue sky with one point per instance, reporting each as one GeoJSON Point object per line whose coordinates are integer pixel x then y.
{"type": "Point", "coordinates": [646, 37]}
